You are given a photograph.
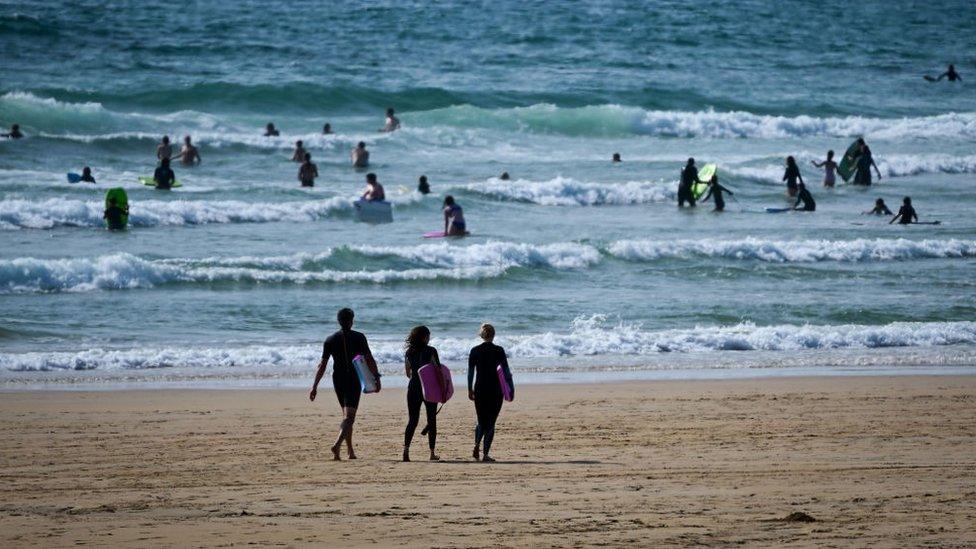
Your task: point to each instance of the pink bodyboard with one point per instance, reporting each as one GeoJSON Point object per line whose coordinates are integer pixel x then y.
{"type": "Point", "coordinates": [436, 388]}
{"type": "Point", "coordinates": [435, 234]}
{"type": "Point", "coordinates": [506, 390]}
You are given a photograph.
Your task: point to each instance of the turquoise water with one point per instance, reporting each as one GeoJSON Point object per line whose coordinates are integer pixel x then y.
{"type": "Point", "coordinates": [584, 266]}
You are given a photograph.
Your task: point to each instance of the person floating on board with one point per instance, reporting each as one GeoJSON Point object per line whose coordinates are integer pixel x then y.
{"type": "Point", "coordinates": [86, 175]}
{"type": "Point", "coordinates": [716, 190]}
{"type": "Point", "coordinates": [360, 156]}
{"type": "Point", "coordinates": [189, 155]}
{"type": "Point", "coordinates": [392, 122]}
{"type": "Point", "coordinates": [616, 158]}
{"type": "Point", "coordinates": [803, 196]}
{"type": "Point", "coordinates": [327, 129]}
{"type": "Point", "coordinates": [950, 73]}
{"type": "Point", "coordinates": [880, 208]}
{"type": "Point", "coordinates": [164, 176]}
{"type": "Point", "coordinates": [792, 176]}
{"type": "Point", "coordinates": [689, 176]}
{"type": "Point", "coordinates": [485, 389]}
{"type": "Point", "coordinates": [830, 169]}
{"type": "Point", "coordinates": [164, 150]}
{"type": "Point", "coordinates": [422, 186]}
{"type": "Point", "coordinates": [454, 224]}
{"type": "Point", "coordinates": [271, 131]}
{"type": "Point", "coordinates": [864, 162]}
{"type": "Point", "coordinates": [374, 191]}
{"type": "Point", "coordinates": [113, 215]}
{"type": "Point", "coordinates": [308, 172]}
{"type": "Point", "coordinates": [418, 354]}
{"type": "Point", "coordinates": [906, 214]}
{"type": "Point", "coordinates": [14, 132]}
{"type": "Point", "coordinates": [299, 154]}
{"type": "Point", "coordinates": [342, 347]}
{"type": "Point", "coordinates": [504, 176]}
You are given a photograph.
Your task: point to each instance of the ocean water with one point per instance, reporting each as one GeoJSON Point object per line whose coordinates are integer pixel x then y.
{"type": "Point", "coordinates": [586, 268]}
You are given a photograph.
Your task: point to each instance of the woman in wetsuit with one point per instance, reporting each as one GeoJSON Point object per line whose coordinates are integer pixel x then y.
{"type": "Point", "coordinates": [791, 176]}
{"type": "Point", "coordinates": [485, 390]}
{"type": "Point", "coordinates": [454, 224]}
{"type": "Point", "coordinates": [864, 163]}
{"type": "Point", "coordinates": [419, 353]}
{"type": "Point", "coordinates": [715, 190]}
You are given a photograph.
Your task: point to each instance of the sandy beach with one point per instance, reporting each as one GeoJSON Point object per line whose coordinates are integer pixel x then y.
{"type": "Point", "coordinates": [875, 461]}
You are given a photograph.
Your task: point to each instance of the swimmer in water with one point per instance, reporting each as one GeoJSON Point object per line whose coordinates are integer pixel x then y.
{"type": "Point", "coordinates": [189, 155]}
{"type": "Point", "coordinates": [880, 208]}
{"type": "Point", "coordinates": [454, 224]}
{"type": "Point", "coordinates": [164, 176]}
{"type": "Point", "coordinates": [14, 132]}
{"type": "Point", "coordinates": [86, 175]}
{"type": "Point", "coordinates": [374, 191]}
{"type": "Point", "coordinates": [906, 215]}
{"type": "Point", "coordinates": [803, 196]}
{"type": "Point", "coordinates": [792, 176]}
{"type": "Point", "coordinates": [504, 176]}
{"type": "Point", "coordinates": [360, 156]}
{"type": "Point", "coordinates": [422, 186]}
{"type": "Point", "coordinates": [951, 74]}
{"type": "Point", "coordinates": [830, 169]}
{"type": "Point", "coordinates": [485, 389]}
{"type": "Point", "coordinates": [271, 131]}
{"type": "Point", "coordinates": [716, 190]}
{"type": "Point", "coordinates": [342, 347]}
{"type": "Point", "coordinates": [113, 216]}
{"type": "Point", "coordinates": [308, 172]}
{"type": "Point", "coordinates": [327, 129]}
{"type": "Point", "coordinates": [616, 158]}
{"type": "Point", "coordinates": [419, 353]}
{"type": "Point", "coordinates": [164, 150]}
{"type": "Point", "coordinates": [299, 154]}
{"type": "Point", "coordinates": [392, 122]}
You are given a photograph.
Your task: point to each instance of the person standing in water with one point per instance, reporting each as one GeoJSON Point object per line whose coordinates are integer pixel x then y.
{"type": "Point", "coordinates": [392, 123]}
{"type": "Point", "coordinates": [113, 216]}
{"type": "Point", "coordinates": [189, 155]}
{"type": "Point", "coordinates": [485, 389]}
{"type": "Point", "coordinates": [616, 158]}
{"type": "Point", "coordinates": [951, 74]}
{"type": "Point", "coordinates": [804, 197]}
{"type": "Point", "coordinates": [14, 132]}
{"type": "Point", "coordinates": [271, 131]}
{"type": "Point", "coordinates": [422, 186]}
{"type": "Point", "coordinates": [374, 191]}
{"type": "Point", "coordinates": [864, 162]}
{"type": "Point", "coordinates": [792, 176]}
{"type": "Point", "coordinates": [360, 156]}
{"type": "Point", "coordinates": [327, 129]}
{"type": "Point", "coordinates": [830, 169]}
{"type": "Point", "coordinates": [419, 353]}
{"type": "Point", "coordinates": [342, 347]}
{"type": "Point", "coordinates": [906, 214]}
{"type": "Point", "coordinates": [308, 172]}
{"type": "Point", "coordinates": [86, 175]}
{"type": "Point", "coordinates": [716, 190]}
{"type": "Point", "coordinates": [164, 150]}
{"type": "Point", "coordinates": [689, 176]}
{"type": "Point", "coordinates": [164, 176]}
{"type": "Point", "coordinates": [299, 154]}
{"type": "Point", "coordinates": [880, 208]}
{"type": "Point", "coordinates": [454, 224]}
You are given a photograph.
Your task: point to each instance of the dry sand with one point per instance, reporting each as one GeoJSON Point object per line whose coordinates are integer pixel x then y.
{"type": "Point", "coordinates": [876, 461]}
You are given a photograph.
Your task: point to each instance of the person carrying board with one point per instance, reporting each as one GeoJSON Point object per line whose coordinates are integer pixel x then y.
{"type": "Point", "coordinates": [419, 353]}
{"type": "Point", "coordinates": [485, 389]}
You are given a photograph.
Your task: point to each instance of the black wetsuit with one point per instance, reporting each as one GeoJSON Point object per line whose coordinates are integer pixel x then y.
{"type": "Point", "coordinates": [415, 397]}
{"type": "Point", "coordinates": [791, 176]}
{"type": "Point", "coordinates": [423, 188]}
{"type": "Point", "coordinates": [342, 347]}
{"type": "Point", "coordinates": [483, 361]}
{"type": "Point", "coordinates": [862, 175]}
{"type": "Point", "coordinates": [809, 205]}
{"type": "Point", "coordinates": [881, 210]}
{"type": "Point", "coordinates": [689, 176]}
{"type": "Point", "coordinates": [164, 178]}
{"type": "Point", "coordinates": [716, 190]}
{"type": "Point", "coordinates": [113, 217]}
{"type": "Point", "coordinates": [87, 179]}
{"type": "Point", "coordinates": [907, 214]}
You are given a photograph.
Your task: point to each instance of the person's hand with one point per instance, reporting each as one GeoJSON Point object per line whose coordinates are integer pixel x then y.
{"type": "Point", "coordinates": [311, 395]}
{"type": "Point", "coordinates": [470, 395]}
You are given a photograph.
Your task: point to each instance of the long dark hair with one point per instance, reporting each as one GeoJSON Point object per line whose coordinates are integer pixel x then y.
{"type": "Point", "coordinates": [416, 339]}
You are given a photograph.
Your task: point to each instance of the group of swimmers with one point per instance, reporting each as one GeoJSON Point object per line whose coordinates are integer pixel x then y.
{"type": "Point", "coordinates": [484, 387]}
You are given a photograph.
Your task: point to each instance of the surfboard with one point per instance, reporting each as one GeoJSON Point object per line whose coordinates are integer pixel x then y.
{"type": "Point", "coordinates": [705, 175]}
{"type": "Point", "coordinates": [74, 177]}
{"type": "Point", "coordinates": [847, 165]}
{"type": "Point", "coordinates": [507, 393]}
{"type": "Point", "coordinates": [927, 223]}
{"type": "Point", "coordinates": [150, 182]}
{"type": "Point", "coordinates": [376, 211]}
{"type": "Point", "coordinates": [121, 200]}
{"type": "Point", "coordinates": [442, 234]}
{"type": "Point", "coordinates": [777, 210]}
{"type": "Point", "coordinates": [366, 378]}
{"type": "Point", "coordinates": [930, 78]}
{"type": "Point", "coordinates": [436, 383]}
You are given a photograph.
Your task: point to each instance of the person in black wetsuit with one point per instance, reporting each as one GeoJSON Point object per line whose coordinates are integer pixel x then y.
{"type": "Point", "coordinates": [803, 196]}
{"type": "Point", "coordinates": [689, 176]}
{"type": "Point", "coordinates": [906, 215]}
{"type": "Point", "coordinates": [342, 347]}
{"type": "Point", "coordinates": [951, 74]}
{"type": "Point", "coordinates": [486, 391]}
{"type": "Point", "coordinates": [716, 190]}
{"type": "Point", "coordinates": [14, 132]}
{"type": "Point", "coordinates": [880, 208]}
{"type": "Point", "coordinates": [113, 216]}
{"type": "Point", "coordinates": [423, 187]}
{"type": "Point", "coordinates": [164, 176]}
{"type": "Point", "coordinates": [86, 175]}
{"type": "Point", "coordinates": [863, 163]}
{"type": "Point", "coordinates": [791, 176]}
{"type": "Point", "coordinates": [419, 353]}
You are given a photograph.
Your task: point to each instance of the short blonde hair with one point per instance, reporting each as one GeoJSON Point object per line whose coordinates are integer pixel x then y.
{"type": "Point", "coordinates": [487, 332]}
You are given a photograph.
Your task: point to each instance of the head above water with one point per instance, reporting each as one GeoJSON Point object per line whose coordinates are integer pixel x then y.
{"type": "Point", "coordinates": [15, 127]}
{"type": "Point", "coordinates": [299, 143]}
{"type": "Point", "coordinates": [504, 176]}
{"type": "Point", "coordinates": [423, 179]}
{"type": "Point", "coordinates": [790, 161]}
{"type": "Point", "coordinates": [86, 171]}
{"type": "Point", "coordinates": [308, 157]}
{"type": "Point", "coordinates": [487, 332]}
{"type": "Point", "coordinates": [389, 111]}
{"type": "Point", "coordinates": [165, 140]}
{"type": "Point", "coordinates": [616, 157]}
{"type": "Point", "coordinates": [879, 202]}
{"type": "Point", "coordinates": [691, 162]}
{"type": "Point", "coordinates": [418, 337]}
{"type": "Point", "coordinates": [327, 128]}
{"type": "Point", "coordinates": [270, 127]}
{"type": "Point", "coordinates": [448, 200]}
{"type": "Point", "coordinates": [361, 145]}
{"type": "Point", "coordinates": [345, 317]}
{"type": "Point", "coordinates": [830, 154]}
{"type": "Point", "coordinates": [371, 178]}
{"type": "Point", "coordinates": [907, 201]}
{"type": "Point", "coordinates": [186, 139]}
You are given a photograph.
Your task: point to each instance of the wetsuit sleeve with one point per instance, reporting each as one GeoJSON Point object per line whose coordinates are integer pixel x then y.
{"type": "Point", "coordinates": [471, 363]}
{"type": "Point", "coordinates": [506, 370]}
{"type": "Point", "coordinates": [326, 351]}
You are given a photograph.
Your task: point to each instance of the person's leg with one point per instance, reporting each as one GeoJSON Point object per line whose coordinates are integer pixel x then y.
{"type": "Point", "coordinates": [413, 417]}
{"type": "Point", "coordinates": [479, 432]}
{"type": "Point", "coordinates": [493, 408]}
{"type": "Point", "coordinates": [351, 418]}
{"type": "Point", "coordinates": [431, 428]}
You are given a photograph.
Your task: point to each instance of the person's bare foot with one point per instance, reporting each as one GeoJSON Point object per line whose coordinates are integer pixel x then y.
{"type": "Point", "coordinates": [335, 454]}
{"type": "Point", "coordinates": [476, 454]}
{"type": "Point", "coordinates": [487, 459]}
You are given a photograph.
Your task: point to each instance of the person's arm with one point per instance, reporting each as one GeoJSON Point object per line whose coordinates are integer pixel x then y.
{"type": "Point", "coordinates": [818, 164]}
{"type": "Point", "coordinates": [893, 219]}
{"type": "Point", "coordinates": [797, 203]}
{"type": "Point", "coordinates": [315, 170]}
{"type": "Point", "coordinates": [707, 195]}
{"type": "Point", "coordinates": [446, 221]}
{"type": "Point", "coordinates": [915, 215]}
{"type": "Point", "coordinates": [799, 176]}
{"type": "Point", "coordinates": [876, 170]}
{"type": "Point", "coordinates": [471, 362]}
{"type": "Point", "coordinates": [726, 190]}
{"type": "Point", "coordinates": [406, 367]}
{"type": "Point", "coordinates": [318, 376]}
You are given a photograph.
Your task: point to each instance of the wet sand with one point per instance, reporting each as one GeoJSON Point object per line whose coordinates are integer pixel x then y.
{"type": "Point", "coordinates": [876, 461]}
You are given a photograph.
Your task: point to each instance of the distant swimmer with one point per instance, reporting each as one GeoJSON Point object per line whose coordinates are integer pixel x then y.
{"type": "Point", "coordinates": [374, 191]}
{"type": "Point", "coordinates": [14, 132]}
{"type": "Point", "coordinates": [164, 176]}
{"type": "Point", "coordinates": [715, 190]}
{"type": "Point", "coordinates": [113, 215]}
{"type": "Point", "coordinates": [792, 176]}
{"type": "Point", "coordinates": [864, 161]}
{"type": "Point", "coordinates": [271, 131]}
{"type": "Point", "coordinates": [392, 122]}
{"type": "Point", "coordinates": [360, 156]}
{"type": "Point", "coordinates": [804, 197]}
{"type": "Point", "coordinates": [689, 176]}
{"type": "Point", "coordinates": [906, 214]}
{"type": "Point", "coordinates": [419, 353]}
{"type": "Point", "coordinates": [308, 172]}
{"type": "Point", "coordinates": [504, 176]}
{"type": "Point", "coordinates": [299, 154]}
{"type": "Point", "coordinates": [830, 169]}
{"type": "Point", "coordinates": [86, 175]}
{"type": "Point", "coordinates": [950, 73]}
{"type": "Point", "coordinates": [164, 149]}
{"type": "Point", "coordinates": [616, 158]}
{"type": "Point", "coordinates": [422, 186]}
{"type": "Point", "coordinates": [454, 224]}
{"type": "Point", "coordinates": [342, 347]}
{"type": "Point", "coordinates": [327, 129]}
{"type": "Point", "coordinates": [880, 208]}
{"type": "Point", "coordinates": [189, 155]}
{"type": "Point", "coordinates": [485, 389]}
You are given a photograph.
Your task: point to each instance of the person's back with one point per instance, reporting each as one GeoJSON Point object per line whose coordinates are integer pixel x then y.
{"type": "Point", "coordinates": [375, 192]}
{"type": "Point", "coordinates": [907, 214]}
{"type": "Point", "coordinates": [343, 346]}
{"type": "Point", "coordinates": [804, 197]}
{"type": "Point", "coordinates": [360, 156]}
{"type": "Point", "coordinates": [485, 359]}
{"type": "Point", "coordinates": [164, 176]}
{"type": "Point", "coordinates": [423, 187]}
{"type": "Point", "coordinates": [113, 217]}
{"type": "Point", "coordinates": [164, 150]}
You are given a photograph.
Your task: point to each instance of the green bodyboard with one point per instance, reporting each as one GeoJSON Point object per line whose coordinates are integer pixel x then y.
{"type": "Point", "coordinates": [848, 164]}
{"type": "Point", "coordinates": [150, 182]}
{"type": "Point", "coordinates": [121, 200]}
{"type": "Point", "coordinates": [705, 175]}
